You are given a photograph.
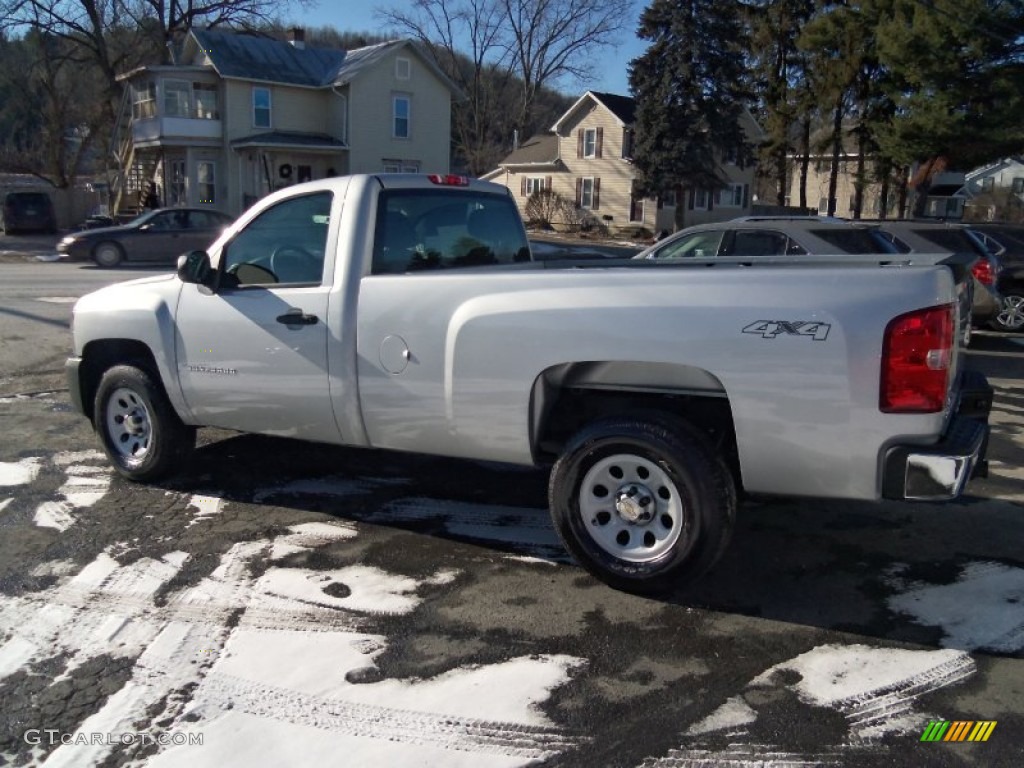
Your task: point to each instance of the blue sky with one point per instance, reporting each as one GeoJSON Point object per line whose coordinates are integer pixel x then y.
{"type": "Point", "coordinates": [609, 74]}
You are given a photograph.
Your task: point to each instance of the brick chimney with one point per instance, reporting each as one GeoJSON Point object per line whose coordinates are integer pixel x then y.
{"type": "Point", "coordinates": [297, 37]}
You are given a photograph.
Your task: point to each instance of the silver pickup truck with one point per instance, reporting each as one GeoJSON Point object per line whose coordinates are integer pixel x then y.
{"type": "Point", "coordinates": [404, 312]}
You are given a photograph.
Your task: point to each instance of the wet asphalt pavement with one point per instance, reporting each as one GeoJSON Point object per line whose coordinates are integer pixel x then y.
{"type": "Point", "coordinates": [832, 633]}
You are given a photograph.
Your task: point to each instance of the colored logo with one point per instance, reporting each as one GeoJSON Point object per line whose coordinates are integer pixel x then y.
{"type": "Point", "coordinates": [958, 730]}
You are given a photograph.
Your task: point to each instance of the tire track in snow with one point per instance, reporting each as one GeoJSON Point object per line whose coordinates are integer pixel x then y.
{"type": "Point", "coordinates": [382, 722]}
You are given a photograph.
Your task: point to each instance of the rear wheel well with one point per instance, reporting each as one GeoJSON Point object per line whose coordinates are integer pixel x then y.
{"type": "Point", "coordinates": [568, 410]}
{"type": "Point", "coordinates": [99, 356]}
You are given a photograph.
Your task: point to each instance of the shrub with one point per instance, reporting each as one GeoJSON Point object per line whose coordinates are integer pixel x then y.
{"type": "Point", "coordinates": [543, 208]}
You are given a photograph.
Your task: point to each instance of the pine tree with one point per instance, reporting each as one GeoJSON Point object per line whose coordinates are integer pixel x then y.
{"type": "Point", "coordinates": [779, 80]}
{"type": "Point", "coordinates": [957, 82]}
{"type": "Point", "coordinates": [690, 95]}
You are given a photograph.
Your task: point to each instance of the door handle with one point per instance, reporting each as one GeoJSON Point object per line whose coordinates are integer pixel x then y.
{"type": "Point", "coordinates": [297, 317]}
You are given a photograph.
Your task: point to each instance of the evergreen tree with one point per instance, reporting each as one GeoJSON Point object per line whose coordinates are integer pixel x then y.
{"type": "Point", "coordinates": [956, 79]}
{"type": "Point", "coordinates": [778, 69]}
{"type": "Point", "coordinates": [690, 95]}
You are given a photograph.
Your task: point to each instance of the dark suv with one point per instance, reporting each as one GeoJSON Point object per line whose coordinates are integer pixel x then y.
{"type": "Point", "coordinates": [25, 211]}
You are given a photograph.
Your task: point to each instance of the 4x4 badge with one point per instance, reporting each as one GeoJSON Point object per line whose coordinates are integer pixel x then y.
{"type": "Point", "coordinates": [769, 329]}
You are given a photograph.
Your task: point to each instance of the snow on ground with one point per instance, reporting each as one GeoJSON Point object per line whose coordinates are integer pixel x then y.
{"type": "Point", "coordinates": [280, 667]}
{"type": "Point", "coordinates": [876, 689]}
{"type": "Point", "coordinates": [983, 609]}
{"type": "Point", "coordinates": [19, 472]}
{"type": "Point", "coordinates": [84, 485]}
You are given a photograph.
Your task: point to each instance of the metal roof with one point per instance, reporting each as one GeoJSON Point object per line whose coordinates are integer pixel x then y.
{"type": "Point", "coordinates": [274, 61]}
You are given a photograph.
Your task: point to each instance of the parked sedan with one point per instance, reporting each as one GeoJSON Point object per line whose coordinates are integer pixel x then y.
{"type": "Point", "coordinates": [156, 236]}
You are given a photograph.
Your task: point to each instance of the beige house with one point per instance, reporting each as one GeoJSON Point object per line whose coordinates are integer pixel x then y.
{"type": "Point", "coordinates": [945, 198]}
{"type": "Point", "coordinates": [587, 158]}
{"type": "Point", "coordinates": [241, 116]}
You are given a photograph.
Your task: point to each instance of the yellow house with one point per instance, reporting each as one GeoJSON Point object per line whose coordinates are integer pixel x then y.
{"type": "Point", "coordinates": [240, 116]}
{"type": "Point", "coordinates": [587, 158]}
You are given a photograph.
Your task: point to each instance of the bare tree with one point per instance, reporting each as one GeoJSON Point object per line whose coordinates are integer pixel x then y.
{"type": "Point", "coordinates": [504, 53]}
{"type": "Point", "coordinates": [550, 40]}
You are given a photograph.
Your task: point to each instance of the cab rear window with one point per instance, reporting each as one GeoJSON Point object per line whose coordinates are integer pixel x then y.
{"type": "Point", "coordinates": [430, 229]}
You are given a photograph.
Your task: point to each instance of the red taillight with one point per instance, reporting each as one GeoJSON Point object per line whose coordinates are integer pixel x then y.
{"type": "Point", "coordinates": [982, 271]}
{"type": "Point", "coordinates": [449, 180]}
{"type": "Point", "coordinates": [917, 354]}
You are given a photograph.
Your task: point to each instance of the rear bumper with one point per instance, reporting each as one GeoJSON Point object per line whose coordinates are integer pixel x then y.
{"type": "Point", "coordinates": [940, 472]}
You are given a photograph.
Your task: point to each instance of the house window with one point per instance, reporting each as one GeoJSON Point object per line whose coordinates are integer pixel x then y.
{"type": "Point", "coordinates": [987, 185]}
{"type": "Point", "coordinates": [700, 199]}
{"type": "Point", "coordinates": [588, 193]}
{"type": "Point", "coordinates": [403, 69]}
{"type": "Point", "coordinates": [205, 97]}
{"type": "Point", "coordinates": [668, 199]}
{"type": "Point", "coordinates": [176, 188]}
{"type": "Point", "coordinates": [177, 98]}
{"type": "Point", "coordinates": [731, 196]}
{"type": "Point", "coordinates": [636, 206]}
{"type": "Point", "coordinates": [401, 166]}
{"type": "Point", "coordinates": [534, 184]}
{"type": "Point", "coordinates": [206, 175]}
{"type": "Point", "coordinates": [144, 100]}
{"type": "Point", "coordinates": [261, 107]}
{"type": "Point", "coordinates": [628, 142]}
{"type": "Point", "coordinates": [401, 110]}
{"type": "Point", "coordinates": [590, 142]}
{"type": "Point", "coordinates": [1018, 185]}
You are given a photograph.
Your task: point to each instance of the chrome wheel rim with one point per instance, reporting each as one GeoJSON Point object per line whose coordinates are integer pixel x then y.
{"type": "Point", "coordinates": [129, 424]}
{"type": "Point", "coordinates": [631, 508]}
{"type": "Point", "coordinates": [1011, 316]}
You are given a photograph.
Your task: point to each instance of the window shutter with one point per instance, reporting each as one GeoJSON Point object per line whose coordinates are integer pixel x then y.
{"type": "Point", "coordinates": [579, 191]}
{"type": "Point", "coordinates": [597, 183]}
{"type": "Point", "coordinates": [547, 183]}
{"type": "Point", "coordinates": [711, 199]}
{"type": "Point", "coordinates": [599, 143]}
{"type": "Point", "coordinates": [746, 195]}
{"type": "Point", "coordinates": [522, 189]}
{"type": "Point", "coordinates": [579, 143]}
{"type": "Point", "coordinates": [693, 198]}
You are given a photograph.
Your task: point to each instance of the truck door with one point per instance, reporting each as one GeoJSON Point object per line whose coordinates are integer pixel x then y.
{"type": "Point", "coordinates": [252, 354]}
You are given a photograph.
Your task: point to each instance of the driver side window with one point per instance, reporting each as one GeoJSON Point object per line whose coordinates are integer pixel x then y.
{"type": "Point", "coordinates": [285, 244]}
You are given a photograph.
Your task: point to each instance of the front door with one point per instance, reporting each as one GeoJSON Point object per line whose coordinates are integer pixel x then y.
{"type": "Point", "coordinates": [252, 356]}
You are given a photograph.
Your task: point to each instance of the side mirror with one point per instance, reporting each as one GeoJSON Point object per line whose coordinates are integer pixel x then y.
{"type": "Point", "coordinates": [194, 267]}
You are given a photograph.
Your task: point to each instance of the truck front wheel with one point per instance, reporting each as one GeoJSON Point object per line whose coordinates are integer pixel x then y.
{"type": "Point", "coordinates": [645, 505]}
{"type": "Point", "coordinates": [141, 433]}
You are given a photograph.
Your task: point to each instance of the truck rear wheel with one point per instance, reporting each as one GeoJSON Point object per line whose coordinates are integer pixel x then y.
{"type": "Point", "coordinates": [645, 505]}
{"type": "Point", "coordinates": [142, 435]}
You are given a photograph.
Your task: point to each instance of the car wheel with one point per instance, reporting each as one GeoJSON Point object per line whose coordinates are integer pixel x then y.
{"type": "Point", "coordinates": [141, 433]}
{"type": "Point", "coordinates": [1011, 313]}
{"type": "Point", "coordinates": [108, 254]}
{"type": "Point", "coordinates": [645, 505]}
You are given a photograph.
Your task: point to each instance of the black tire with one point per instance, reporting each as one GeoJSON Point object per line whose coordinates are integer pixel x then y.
{"type": "Point", "coordinates": [689, 493]}
{"type": "Point", "coordinates": [141, 434]}
{"type": "Point", "coordinates": [108, 254]}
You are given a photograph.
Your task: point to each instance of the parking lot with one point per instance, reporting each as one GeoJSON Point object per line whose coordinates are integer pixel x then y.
{"type": "Point", "coordinates": [281, 603]}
